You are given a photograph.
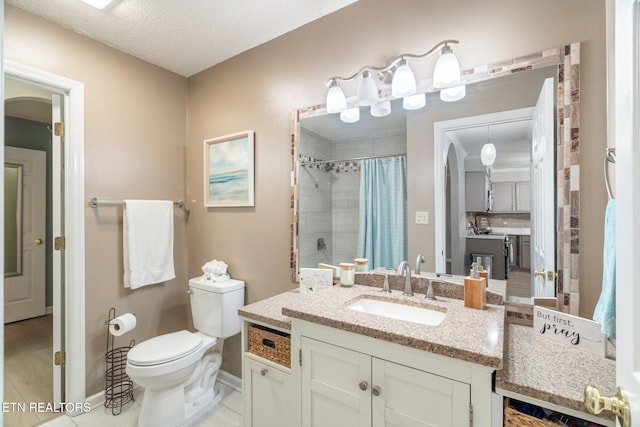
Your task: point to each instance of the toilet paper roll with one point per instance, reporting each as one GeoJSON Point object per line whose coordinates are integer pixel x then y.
{"type": "Point", "coordinates": [122, 324]}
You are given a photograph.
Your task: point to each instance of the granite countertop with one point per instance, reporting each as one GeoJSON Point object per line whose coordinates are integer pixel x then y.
{"type": "Point", "coordinates": [527, 364]}
{"type": "Point", "coordinates": [467, 334]}
{"type": "Point", "coordinates": [550, 371]}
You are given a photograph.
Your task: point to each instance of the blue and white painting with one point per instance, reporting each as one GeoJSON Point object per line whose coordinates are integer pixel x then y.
{"type": "Point", "coordinates": [230, 170]}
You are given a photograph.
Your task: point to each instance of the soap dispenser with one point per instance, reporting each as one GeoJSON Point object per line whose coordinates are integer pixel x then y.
{"type": "Point", "coordinates": [475, 294]}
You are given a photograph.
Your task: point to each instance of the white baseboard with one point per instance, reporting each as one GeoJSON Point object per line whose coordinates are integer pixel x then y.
{"type": "Point", "coordinates": [48, 310]}
{"type": "Point", "coordinates": [223, 376]}
{"type": "Point", "coordinates": [230, 380]}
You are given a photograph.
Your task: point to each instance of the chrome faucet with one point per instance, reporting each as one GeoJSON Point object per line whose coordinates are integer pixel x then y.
{"type": "Point", "coordinates": [419, 261]}
{"type": "Point", "coordinates": [403, 269]}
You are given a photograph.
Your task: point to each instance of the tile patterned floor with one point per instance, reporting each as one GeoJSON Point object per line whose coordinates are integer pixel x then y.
{"type": "Point", "coordinates": [228, 413]}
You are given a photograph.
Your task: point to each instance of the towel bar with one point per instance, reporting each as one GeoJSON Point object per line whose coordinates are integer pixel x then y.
{"type": "Point", "coordinates": [94, 202]}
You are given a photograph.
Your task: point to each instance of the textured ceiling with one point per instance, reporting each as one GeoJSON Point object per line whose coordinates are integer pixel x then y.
{"type": "Point", "coordinates": [183, 36]}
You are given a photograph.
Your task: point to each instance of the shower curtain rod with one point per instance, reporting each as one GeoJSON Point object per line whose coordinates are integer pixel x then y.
{"type": "Point", "coordinates": [353, 159]}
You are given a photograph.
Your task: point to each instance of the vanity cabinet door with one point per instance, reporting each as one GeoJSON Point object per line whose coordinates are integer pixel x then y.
{"type": "Point", "coordinates": [342, 387]}
{"type": "Point", "coordinates": [409, 397]}
{"type": "Point", "coordinates": [336, 386]}
{"type": "Point", "coordinates": [269, 402]}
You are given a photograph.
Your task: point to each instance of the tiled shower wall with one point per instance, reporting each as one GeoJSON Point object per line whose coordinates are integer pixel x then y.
{"type": "Point", "coordinates": [330, 210]}
{"type": "Point", "coordinates": [315, 204]}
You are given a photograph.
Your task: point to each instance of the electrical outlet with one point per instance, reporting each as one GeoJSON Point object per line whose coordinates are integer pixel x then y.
{"type": "Point", "coordinates": [422, 217]}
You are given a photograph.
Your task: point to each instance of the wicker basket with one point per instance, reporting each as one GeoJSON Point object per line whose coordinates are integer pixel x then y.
{"type": "Point", "coordinates": [515, 418]}
{"type": "Point", "coordinates": [270, 344]}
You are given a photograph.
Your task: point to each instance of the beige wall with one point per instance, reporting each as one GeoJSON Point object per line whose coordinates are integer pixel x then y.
{"type": "Point", "coordinates": [135, 134]}
{"type": "Point", "coordinates": [259, 89]}
{"type": "Point", "coordinates": [135, 121]}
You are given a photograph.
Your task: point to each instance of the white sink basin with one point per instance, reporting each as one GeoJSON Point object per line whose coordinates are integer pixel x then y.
{"type": "Point", "coordinates": [399, 311]}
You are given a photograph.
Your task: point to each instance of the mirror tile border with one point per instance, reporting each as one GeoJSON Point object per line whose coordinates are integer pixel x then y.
{"type": "Point", "coordinates": [567, 58]}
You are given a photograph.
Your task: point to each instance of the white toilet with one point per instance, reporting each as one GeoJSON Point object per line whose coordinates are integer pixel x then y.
{"type": "Point", "coordinates": [178, 370]}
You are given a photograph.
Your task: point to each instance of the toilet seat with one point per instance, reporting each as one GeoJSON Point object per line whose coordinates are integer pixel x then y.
{"type": "Point", "coordinates": [164, 348]}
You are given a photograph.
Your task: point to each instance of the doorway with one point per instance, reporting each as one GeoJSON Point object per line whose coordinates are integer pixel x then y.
{"type": "Point", "coordinates": [67, 230]}
{"type": "Point", "coordinates": [463, 236]}
{"type": "Point", "coordinates": [28, 277]}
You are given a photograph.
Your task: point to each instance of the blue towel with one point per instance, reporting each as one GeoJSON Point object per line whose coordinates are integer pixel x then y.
{"type": "Point", "coordinates": [605, 311]}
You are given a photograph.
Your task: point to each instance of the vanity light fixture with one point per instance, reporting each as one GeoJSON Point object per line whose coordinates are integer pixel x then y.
{"type": "Point", "coordinates": [446, 77]}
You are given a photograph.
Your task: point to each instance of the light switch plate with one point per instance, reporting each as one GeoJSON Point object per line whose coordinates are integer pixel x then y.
{"type": "Point", "coordinates": [422, 217]}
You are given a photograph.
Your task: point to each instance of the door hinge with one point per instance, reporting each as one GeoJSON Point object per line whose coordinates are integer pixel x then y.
{"type": "Point", "coordinates": [59, 358]}
{"type": "Point", "coordinates": [58, 129]}
{"type": "Point", "coordinates": [300, 357]}
{"type": "Point", "coordinates": [470, 415]}
{"type": "Point", "coordinates": [59, 243]}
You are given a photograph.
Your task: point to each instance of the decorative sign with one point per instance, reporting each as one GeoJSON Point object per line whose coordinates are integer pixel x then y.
{"type": "Point", "coordinates": [571, 330]}
{"type": "Point", "coordinates": [315, 279]}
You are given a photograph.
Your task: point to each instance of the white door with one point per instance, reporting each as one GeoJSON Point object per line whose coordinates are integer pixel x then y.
{"type": "Point", "coordinates": [335, 386]}
{"type": "Point", "coordinates": [542, 186]}
{"type": "Point", "coordinates": [627, 191]}
{"type": "Point", "coordinates": [24, 293]}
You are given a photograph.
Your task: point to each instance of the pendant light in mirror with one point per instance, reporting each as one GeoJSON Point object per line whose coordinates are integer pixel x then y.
{"type": "Point", "coordinates": [488, 152]}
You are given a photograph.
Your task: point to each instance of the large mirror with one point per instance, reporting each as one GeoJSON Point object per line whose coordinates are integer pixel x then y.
{"type": "Point", "coordinates": [12, 220]}
{"type": "Point", "coordinates": [329, 157]}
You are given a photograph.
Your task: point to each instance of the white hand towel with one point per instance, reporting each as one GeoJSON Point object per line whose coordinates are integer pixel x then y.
{"type": "Point", "coordinates": [147, 242]}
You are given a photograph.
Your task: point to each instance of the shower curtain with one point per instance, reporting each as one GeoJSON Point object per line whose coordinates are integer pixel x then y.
{"type": "Point", "coordinates": [382, 235]}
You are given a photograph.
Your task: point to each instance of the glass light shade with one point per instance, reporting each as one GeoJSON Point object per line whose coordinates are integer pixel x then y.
{"type": "Point", "coordinates": [414, 102]}
{"type": "Point", "coordinates": [404, 82]}
{"type": "Point", "coordinates": [488, 154]}
{"type": "Point", "coordinates": [452, 94]}
{"type": "Point", "coordinates": [447, 70]}
{"type": "Point", "coordinates": [367, 90]}
{"type": "Point", "coordinates": [381, 109]}
{"type": "Point", "coordinates": [350, 115]}
{"type": "Point", "coordinates": [336, 101]}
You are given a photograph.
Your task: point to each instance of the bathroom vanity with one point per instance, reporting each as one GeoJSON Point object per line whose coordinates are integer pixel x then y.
{"type": "Point", "coordinates": [367, 369]}
{"type": "Point", "coordinates": [364, 369]}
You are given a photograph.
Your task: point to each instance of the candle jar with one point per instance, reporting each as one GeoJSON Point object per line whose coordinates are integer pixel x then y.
{"type": "Point", "coordinates": [347, 274]}
{"type": "Point", "coordinates": [362, 265]}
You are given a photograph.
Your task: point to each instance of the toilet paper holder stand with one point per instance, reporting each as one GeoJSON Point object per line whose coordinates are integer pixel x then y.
{"type": "Point", "coordinates": [118, 390]}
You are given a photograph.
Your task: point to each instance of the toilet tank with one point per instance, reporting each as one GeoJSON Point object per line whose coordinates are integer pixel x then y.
{"type": "Point", "coordinates": [214, 306]}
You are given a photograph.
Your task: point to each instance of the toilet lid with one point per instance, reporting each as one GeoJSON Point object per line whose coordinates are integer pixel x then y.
{"type": "Point", "coordinates": [164, 348]}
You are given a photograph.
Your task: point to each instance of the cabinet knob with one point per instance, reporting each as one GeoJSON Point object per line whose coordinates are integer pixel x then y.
{"type": "Point", "coordinates": [263, 371]}
{"type": "Point", "coordinates": [363, 385]}
{"type": "Point", "coordinates": [375, 390]}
